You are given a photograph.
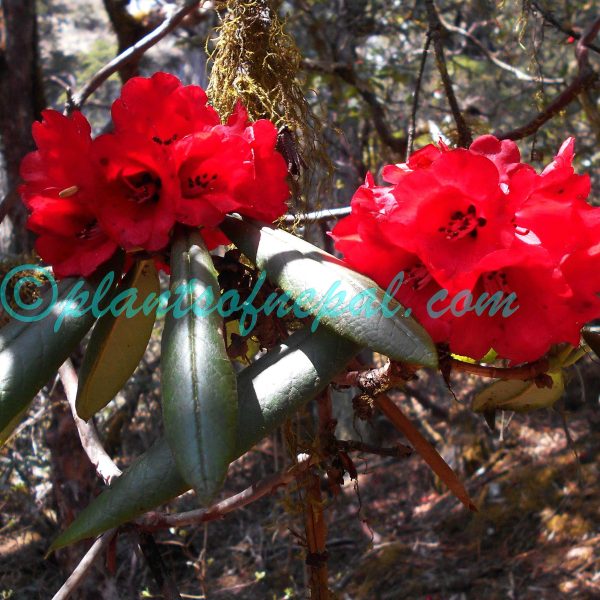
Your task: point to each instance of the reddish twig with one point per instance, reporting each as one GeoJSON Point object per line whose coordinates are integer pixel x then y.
{"type": "Point", "coordinates": [267, 486]}
{"type": "Point", "coordinates": [550, 18]}
{"type": "Point", "coordinates": [435, 27]}
{"type": "Point", "coordinates": [133, 53]}
{"type": "Point", "coordinates": [429, 454]}
{"type": "Point", "coordinates": [316, 537]}
{"type": "Point", "coordinates": [523, 372]}
{"type": "Point", "coordinates": [373, 381]}
{"type": "Point", "coordinates": [103, 463]}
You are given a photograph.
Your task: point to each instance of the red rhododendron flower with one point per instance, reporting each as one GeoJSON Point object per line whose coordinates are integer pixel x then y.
{"type": "Point", "coordinates": [418, 160]}
{"type": "Point", "coordinates": [62, 160]}
{"type": "Point", "coordinates": [228, 168]}
{"type": "Point", "coordinates": [543, 316]}
{"type": "Point", "coordinates": [140, 191]}
{"type": "Point", "coordinates": [359, 239]}
{"type": "Point", "coordinates": [481, 224]}
{"type": "Point", "coordinates": [161, 109]}
{"type": "Point", "coordinates": [505, 154]}
{"type": "Point", "coordinates": [70, 237]}
{"type": "Point", "coordinates": [169, 159]}
{"type": "Point", "coordinates": [61, 181]}
{"type": "Point", "coordinates": [452, 213]}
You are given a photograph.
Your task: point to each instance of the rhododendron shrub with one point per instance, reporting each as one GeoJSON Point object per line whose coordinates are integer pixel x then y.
{"type": "Point", "coordinates": [169, 159]}
{"type": "Point", "coordinates": [479, 223]}
{"type": "Point", "coordinates": [486, 252]}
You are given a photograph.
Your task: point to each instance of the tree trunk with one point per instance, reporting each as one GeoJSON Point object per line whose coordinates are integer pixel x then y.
{"type": "Point", "coordinates": [21, 101]}
{"type": "Point", "coordinates": [129, 30]}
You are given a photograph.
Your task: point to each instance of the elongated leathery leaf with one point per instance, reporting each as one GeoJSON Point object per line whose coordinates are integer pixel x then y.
{"type": "Point", "coordinates": [31, 352]}
{"type": "Point", "coordinates": [270, 391]}
{"type": "Point", "coordinates": [297, 267]}
{"type": "Point", "coordinates": [117, 343]}
{"type": "Point", "coordinates": [200, 403]}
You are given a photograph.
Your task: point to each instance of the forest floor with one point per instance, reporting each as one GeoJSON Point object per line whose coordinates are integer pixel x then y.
{"type": "Point", "coordinates": [394, 533]}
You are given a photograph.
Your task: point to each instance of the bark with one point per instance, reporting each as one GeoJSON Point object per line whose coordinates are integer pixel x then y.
{"type": "Point", "coordinates": [21, 101]}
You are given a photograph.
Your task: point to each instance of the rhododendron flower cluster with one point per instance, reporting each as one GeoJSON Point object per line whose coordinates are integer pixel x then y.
{"type": "Point", "coordinates": [476, 222]}
{"type": "Point", "coordinates": [169, 159]}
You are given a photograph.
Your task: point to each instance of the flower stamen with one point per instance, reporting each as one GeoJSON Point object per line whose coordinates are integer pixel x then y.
{"type": "Point", "coordinates": [68, 192]}
{"type": "Point", "coordinates": [463, 223]}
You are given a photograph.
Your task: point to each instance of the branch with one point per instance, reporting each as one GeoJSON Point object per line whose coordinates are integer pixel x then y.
{"type": "Point", "coordinates": [134, 52]}
{"type": "Point", "coordinates": [586, 78]}
{"type": "Point", "coordinates": [435, 26]}
{"type": "Point", "coordinates": [92, 446]}
{"type": "Point", "coordinates": [318, 215]}
{"type": "Point", "coordinates": [155, 563]}
{"type": "Point", "coordinates": [316, 537]}
{"type": "Point", "coordinates": [375, 381]}
{"type": "Point", "coordinates": [129, 30]}
{"type": "Point", "coordinates": [154, 520]}
{"type": "Point", "coordinates": [499, 63]}
{"type": "Point", "coordinates": [398, 451]}
{"type": "Point", "coordinates": [347, 73]}
{"type": "Point", "coordinates": [78, 575]}
{"type": "Point", "coordinates": [550, 18]}
{"type": "Point", "coordinates": [415, 103]}
{"type": "Point", "coordinates": [578, 85]}
{"type": "Point", "coordinates": [429, 454]}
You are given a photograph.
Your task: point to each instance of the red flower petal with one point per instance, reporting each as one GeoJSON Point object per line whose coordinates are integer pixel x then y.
{"type": "Point", "coordinates": [162, 109]}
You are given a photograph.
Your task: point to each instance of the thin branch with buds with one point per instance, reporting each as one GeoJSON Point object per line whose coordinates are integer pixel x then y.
{"type": "Point", "coordinates": [585, 79]}
{"type": "Point", "coordinates": [552, 20]}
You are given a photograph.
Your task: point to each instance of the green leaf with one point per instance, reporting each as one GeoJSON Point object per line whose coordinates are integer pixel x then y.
{"type": "Point", "coordinates": [297, 266]}
{"type": "Point", "coordinates": [519, 396]}
{"type": "Point", "coordinates": [31, 352]}
{"type": "Point", "coordinates": [200, 402]}
{"type": "Point", "coordinates": [117, 343]}
{"type": "Point", "coordinates": [270, 391]}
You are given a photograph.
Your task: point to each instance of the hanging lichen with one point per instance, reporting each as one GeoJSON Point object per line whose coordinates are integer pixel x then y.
{"type": "Point", "coordinates": [256, 61]}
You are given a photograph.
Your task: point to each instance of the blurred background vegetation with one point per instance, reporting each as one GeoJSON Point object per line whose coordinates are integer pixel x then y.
{"type": "Point", "coordinates": [396, 534]}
